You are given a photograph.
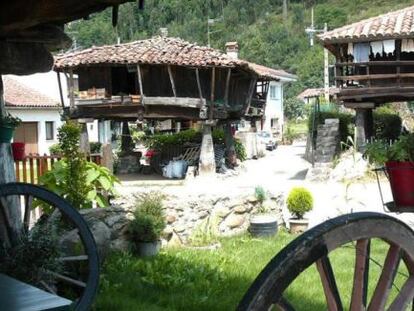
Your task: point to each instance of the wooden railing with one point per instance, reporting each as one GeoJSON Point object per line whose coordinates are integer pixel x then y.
{"type": "Point", "coordinates": [375, 73]}
{"type": "Point", "coordinates": [32, 167]}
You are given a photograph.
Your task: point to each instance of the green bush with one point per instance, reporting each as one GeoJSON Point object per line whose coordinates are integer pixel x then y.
{"type": "Point", "coordinates": [149, 220]}
{"type": "Point", "coordinates": [55, 149]}
{"type": "Point", "coordinates": [80, 182]}
{"type": "Point", "coordinates": [299, 201]}
{"type": "Point", "coordinates": [387, 124]}
{"type": "Point", "coordinates": [379, 152]}
{"type": "Point", "coordinates": [346, 122]}
{"type": "Point", "coordinates": [241, 153]}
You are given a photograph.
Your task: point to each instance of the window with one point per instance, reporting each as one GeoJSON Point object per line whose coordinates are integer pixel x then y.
{"type": "Point", "coordinates": [275, 92]}
{"type": "Point", "coordinates": [50, 130]}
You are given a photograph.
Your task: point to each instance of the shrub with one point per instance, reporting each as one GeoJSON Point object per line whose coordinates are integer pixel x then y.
{"type": "Point", "coordinates": [260, 195]}
{"type": "Point", "coordinates": [346, 122]}
{"type": "Point", "coordinates": [241, 153]}
{"type": "Point", "coordinates": [80, 182]}
{"type": "Point", "coordinates": [55, 149]}
{"type": "Point", "coordinates": [387, 124]}
{"type": "Point", "coordinates": [149, 220]}
{"type": "Point", "coordinates": [299, 201]}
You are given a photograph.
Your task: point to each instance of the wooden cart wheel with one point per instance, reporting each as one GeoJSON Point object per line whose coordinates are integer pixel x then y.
{"type": "Point", "coordinates": [72, 269]}
{"type": "Point", "coordinates": [360, 231]}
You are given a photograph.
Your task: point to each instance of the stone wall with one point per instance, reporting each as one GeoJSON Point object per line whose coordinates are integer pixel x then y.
{"type": "Point", "coordinates": [183, 215]}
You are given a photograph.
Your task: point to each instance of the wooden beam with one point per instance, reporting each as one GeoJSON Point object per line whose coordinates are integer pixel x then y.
{"type": "Point", "coordinates": [139, 74]}
{"type": "Point", "coordinates": [226, 92]}
{"type": "Point", "coordinates": [184, 102]}
{"type": "Point", "coordinates": [213, 89]}
{"type": "Point", "coordinates": [22, 14]}
{"type": "Point", "coordinates": [71, 89]}
{"type": "Point", "coordinates": [52, 36]}
{"type": "Point", "coordinates": [21, 58]}
{"type": "Point", "coordinates": [60, 90]}
{"type": "Point", "coordinates": [170, 74]}
{"type": "Point", "coordinates": [200, 92]}
{"type": "Point", "coordinates": [375, 77]}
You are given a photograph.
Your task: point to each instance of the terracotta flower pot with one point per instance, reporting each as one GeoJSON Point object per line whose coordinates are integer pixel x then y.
{"type": "Point", "coordinates": [298, 225]}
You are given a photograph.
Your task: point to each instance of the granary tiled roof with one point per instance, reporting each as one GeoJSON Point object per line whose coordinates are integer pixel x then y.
{"type": "Point", "coordinates": [393, 25]}
{"type": "Point", "coordinates": [270, 73]}
{"type": "Point", "coordinates": [309, 93]}
{"type": "Point", "coordinates": [157, 50]}
{"type": "Point", "coordinates": [18, 95]}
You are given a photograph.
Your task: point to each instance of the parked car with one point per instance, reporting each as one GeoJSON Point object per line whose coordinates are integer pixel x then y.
{"type": "Point", "coordinates": [267, 139]}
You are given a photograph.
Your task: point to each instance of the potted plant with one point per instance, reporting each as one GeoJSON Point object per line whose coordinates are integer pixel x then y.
{"type": "Point", "coordinates": [299, 201]}
{"type": "Point", "coordinates": [262, 223]}
{"type": "Point", "coordinates": [147, 225]}
{"type": "Point", "coordinates": [398, 161]}
{"type": "Point", "coordinates": [8, 123]}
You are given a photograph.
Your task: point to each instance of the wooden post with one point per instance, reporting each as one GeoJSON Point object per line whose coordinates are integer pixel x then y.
{"type": "Point", "coordinates": [230, 146]}
{"type": "Point", "coordinates": [172, 81]}
{"type": "Point", "coordinates": [360, 128]}
{"type": "Point", "coordinates": [226, 92]}
{"type": "Point", "coordinates": [250, 94]}
{"type": "Point", "coordinates": [200, 92]}
{"type": "Point", "coordinates": [7, 175]}
{"type": "Point", "coordinates": [141, 89]}
{"type": "Point", "coordinates": [71, 90]}
{"type": "Point", "coordinates": [207, 164]}
{"type": "Point", "coordinates": [60, 90]}
{"type": "Point", "coordinates": [213, 89]}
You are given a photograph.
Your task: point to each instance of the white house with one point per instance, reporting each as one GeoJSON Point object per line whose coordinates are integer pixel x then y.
{"type": "Point", "coordinates": [36, 100]}
{"type": "Point", "coordinates": [40, 115]}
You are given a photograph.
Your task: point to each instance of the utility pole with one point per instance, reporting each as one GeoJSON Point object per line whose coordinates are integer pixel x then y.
{"type": "Point", "coordinates": [285, 10]}
{"type": "Point", "coordinates": [311, 32]}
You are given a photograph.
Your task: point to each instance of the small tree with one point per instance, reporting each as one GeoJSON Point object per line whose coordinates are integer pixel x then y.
{"type": "Point", "coordinates": [299, 202]}
{"type": "Point", "coordinates": [76, 191]}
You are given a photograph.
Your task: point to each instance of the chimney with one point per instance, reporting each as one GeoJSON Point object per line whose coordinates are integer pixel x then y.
{"type": "Point", "coordinates": [232, 49]}
{"type": "Point", "coordinates": [164, 32]}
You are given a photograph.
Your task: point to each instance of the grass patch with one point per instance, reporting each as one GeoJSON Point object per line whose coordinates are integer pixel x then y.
{"type": "Point", "coordinates": [188, 279]}
{"type": "Point", "coordinates": [299, 127]}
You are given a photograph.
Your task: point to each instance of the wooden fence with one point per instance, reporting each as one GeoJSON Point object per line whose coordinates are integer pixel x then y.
{"type": "Point", "coordinates": [32, 167]}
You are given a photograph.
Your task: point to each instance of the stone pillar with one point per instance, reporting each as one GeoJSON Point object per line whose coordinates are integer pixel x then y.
{"type": "Point", "coordinates": [127, 145]}
{"type": "Point", "coordinates": [230, 147]}
{"type": "Point", "coordinates": [84, 145]}
{"type": "Point", "coordinates": [364, 126]}
{"type": "Point", "coordinates": [207, 164]}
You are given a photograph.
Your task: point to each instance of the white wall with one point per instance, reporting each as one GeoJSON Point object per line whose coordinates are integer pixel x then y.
{"type": "Point", "coordinates": [274, 108]}
{"type": "Point", "coordinates": [40, 116]}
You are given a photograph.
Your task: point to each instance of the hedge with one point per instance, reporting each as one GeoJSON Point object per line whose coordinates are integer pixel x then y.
{"type": "Point", "coordinates": [346, 122]}
{"type": "Point", "coordinates": [387, 124]}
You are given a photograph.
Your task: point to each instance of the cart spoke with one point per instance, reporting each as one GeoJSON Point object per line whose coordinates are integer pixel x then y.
{"type": "Point", "coordinates": [360, 287]}
{"type": "Point", "coordinates": [404, 297]}
{"type": "Point", "coordinates": [74, 258]}
{"type": "Point", "coordinates": [67, 279]}
{"type": "Point", "coordinates": [329, 284]}
{"type": "Point", "coordinates": [285, 305]}
{"type": "Point", "coordinates": [386, 279]}
{"type": "Point", "coordinates": [28, 201]}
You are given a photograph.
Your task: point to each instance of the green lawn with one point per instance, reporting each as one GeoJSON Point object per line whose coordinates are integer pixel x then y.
{"type": "Point", "coordinates": [216, 280]}
{"type": "Point", "coordinates": [299, 128]}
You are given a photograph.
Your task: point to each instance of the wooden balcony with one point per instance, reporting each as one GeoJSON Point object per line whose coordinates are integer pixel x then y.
{"type": "Point", "coordinates": [376, 81]}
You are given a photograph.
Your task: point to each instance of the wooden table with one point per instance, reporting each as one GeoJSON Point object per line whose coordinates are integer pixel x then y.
{"type": "Point", "coordinates": [18, 296]}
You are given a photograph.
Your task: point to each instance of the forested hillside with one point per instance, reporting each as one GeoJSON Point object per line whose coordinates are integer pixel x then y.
{"type": "Point", "coordinates": [264, 35]}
